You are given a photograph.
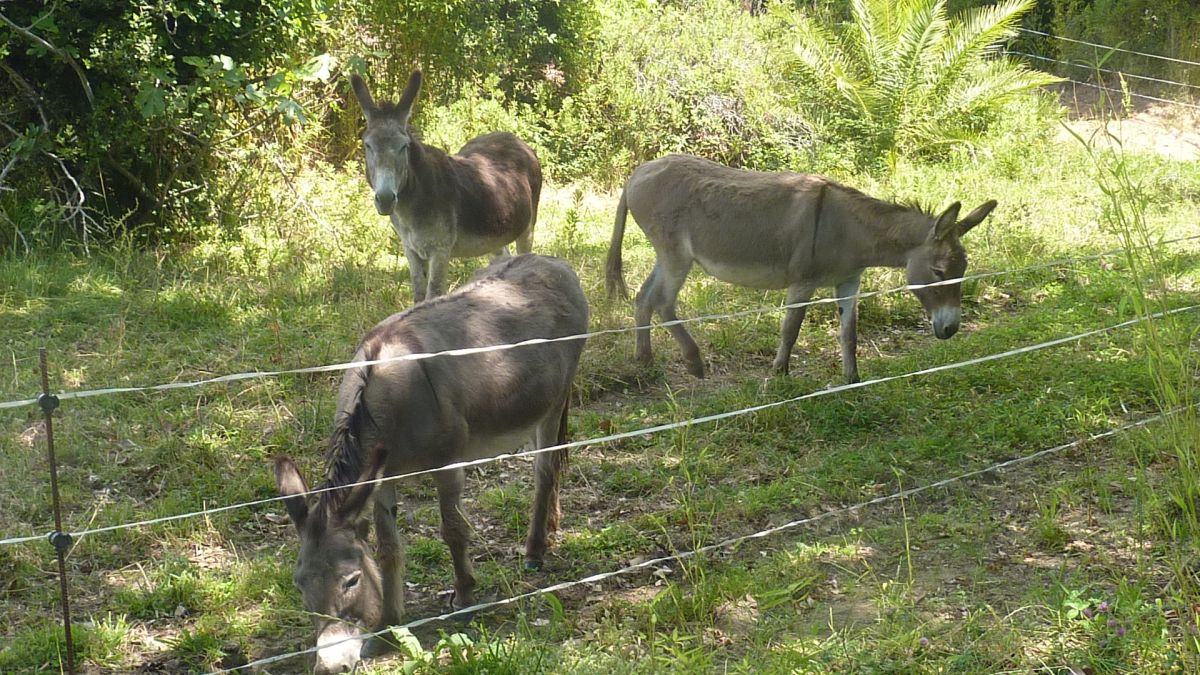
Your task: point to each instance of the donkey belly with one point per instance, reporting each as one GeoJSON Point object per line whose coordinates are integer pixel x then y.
{"type": "Point", "coordinates": [763, 275]}
{"type": "Point", "coordinates": [470, 246]}
{"type": "Point", "coordinates": [492, 444]}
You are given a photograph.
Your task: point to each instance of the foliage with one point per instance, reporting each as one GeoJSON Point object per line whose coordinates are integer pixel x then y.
{"type": "Point", "coordinates": [1167, 27]}
{"type": "Point", "coordinates": [181, 94]}
{"type": "Point", "coordinates": [119, 112]}
{"type": "Point", "coordinates": [519, 44]}
{"type": "Point", "coordinates": [903, 77]}
{"type": "Point", "coordinates": [714, 93]}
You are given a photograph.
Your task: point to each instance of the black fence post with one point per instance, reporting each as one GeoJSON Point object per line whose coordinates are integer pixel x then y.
{"type": "Point", "coordinates": [60, 540]}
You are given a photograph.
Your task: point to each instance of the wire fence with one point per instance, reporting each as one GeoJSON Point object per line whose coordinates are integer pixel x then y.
{"type": "Point", "coordinates": [259, 374]}
{"type": "Point", "coordinates": [1095, 68]}
{"type": "Point", "coordinates": [1131, 94]}
{"type": "Point", "coordinates": [645, 431]}
{"type": "Point", "coordinates": [1110, 48]}
{"type": "Point", "coordinates": [724, 544]}
{"type": "Point", "coordinates": [62, 540]}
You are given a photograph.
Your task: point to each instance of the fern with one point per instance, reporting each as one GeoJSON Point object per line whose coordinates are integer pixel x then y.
{"type": "Point", "coordinates": [902, 76]}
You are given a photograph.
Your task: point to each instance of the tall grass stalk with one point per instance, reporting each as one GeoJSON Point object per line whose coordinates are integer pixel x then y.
{"type": "Point", "coordinates": [1166, 342]}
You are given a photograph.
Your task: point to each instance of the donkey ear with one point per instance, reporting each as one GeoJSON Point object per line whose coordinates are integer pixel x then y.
{"type": "Point", "coordinates": [351, 509]}
{"type": "Point", "coordinates": [292, 487]}
{"type": "Point", "coordinates": [944, 224]}
{"type": "Point", "coordinates": [975, 217]}
{"type": "Point", "coordinates": [410, 94]}
{"type": "Point", "coordinates": [362, 94]}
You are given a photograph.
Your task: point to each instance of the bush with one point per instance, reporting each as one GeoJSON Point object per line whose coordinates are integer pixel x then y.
{"type": "Point", "coordinates": [903, 77]}
{"type": "Point", "coordinates": [115, 111]}
{"type": "Point", "coordinates": [151, 117]}
{"type": "Point", "coordinates": [692, 77]}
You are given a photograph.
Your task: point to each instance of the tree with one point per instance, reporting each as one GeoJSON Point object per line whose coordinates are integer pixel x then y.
{"type": "Point", "coordinates": [903, 77]}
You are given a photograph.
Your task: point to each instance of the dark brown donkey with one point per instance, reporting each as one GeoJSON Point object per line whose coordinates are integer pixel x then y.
{"type": "Point", "coordinates": [404, 416]}
{"type": "Point", "coordinates": [447, 206]}
{"type": "Point", "coordinates": [783, 230]}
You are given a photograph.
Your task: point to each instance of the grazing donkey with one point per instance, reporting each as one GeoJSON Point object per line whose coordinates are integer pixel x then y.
{"type": "Point", "coordinates": [782, 230]}
{"type": "Point", "coordinates": [404, 416]}
{"type": "Point", "coordinates": [443, 206]}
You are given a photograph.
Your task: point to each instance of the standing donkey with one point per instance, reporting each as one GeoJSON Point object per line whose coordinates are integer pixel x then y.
{"type": "Point", "coordinates": [443, 206]}
{"type": "Point", "coordinates": [782, 230]}
{"type": "Point", "coordinates": [402, 416]}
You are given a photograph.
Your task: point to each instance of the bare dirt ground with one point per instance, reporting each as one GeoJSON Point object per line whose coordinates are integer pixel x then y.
{"type": "Point", "coordinates": [1146, 126]}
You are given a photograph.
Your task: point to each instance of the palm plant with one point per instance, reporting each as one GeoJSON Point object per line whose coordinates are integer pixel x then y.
{"type": "Point", "coordinates": [902, 76]}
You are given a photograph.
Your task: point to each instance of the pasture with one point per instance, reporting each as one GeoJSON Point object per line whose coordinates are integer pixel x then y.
{"type": "Point", "coordinates": [1059, 563]}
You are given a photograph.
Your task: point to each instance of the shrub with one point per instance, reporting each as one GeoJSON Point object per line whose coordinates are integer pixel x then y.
{"type": "Point", "coordinates": [903, 77]}
{"type": "Point", "coordinates": [692, 77]}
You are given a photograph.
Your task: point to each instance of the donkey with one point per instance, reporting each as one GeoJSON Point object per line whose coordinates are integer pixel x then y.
{"type": "Point", "coordinates": [403, 416]}
{"type": "Point", "coordinates": [443, 206]}
{"type": "Point", "coordinates": [782, 230]}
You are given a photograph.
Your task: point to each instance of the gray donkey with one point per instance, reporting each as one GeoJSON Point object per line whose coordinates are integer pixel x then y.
{"type": "Point", "coordinates": [782, 230]}
{"type": "Point", "coordinates": [404, 416]}
{"type": "Point", "coordinates": [443, 206]}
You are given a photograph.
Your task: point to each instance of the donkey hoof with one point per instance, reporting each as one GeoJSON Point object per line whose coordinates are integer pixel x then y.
{"type": "Point", "coordinates": [377, 646]}
{"type": "Point", "coordinates": [533, 565]}
{"type": "Point", "coordinates": [696, 368]}
{"type": "Point", "coordinates": [456, 604]}
{"type": "Point", "coordinates": [780, 368]}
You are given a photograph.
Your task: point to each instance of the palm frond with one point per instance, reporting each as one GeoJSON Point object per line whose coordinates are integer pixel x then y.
{"type": "Point", "coordinates": [823, 62]}
{"type": "Point", "coordinates": [978, 33]}
{"type": "Point", "coordinates": [990, 83]}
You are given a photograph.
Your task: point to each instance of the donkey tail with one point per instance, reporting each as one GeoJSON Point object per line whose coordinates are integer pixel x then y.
{"type": "Point", "coordinates": [614, 279]}
{"type": "Point", "coordinates": [558, 462]}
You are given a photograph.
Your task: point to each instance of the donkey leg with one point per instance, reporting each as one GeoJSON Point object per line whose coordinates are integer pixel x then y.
{"type": "Point", "coordinates": [499, 253]}
{"type": "Point", "coordinates": [848, 334]}
{"type": "Point", "coordinates": [391, 554]}
{"type": "Point", "coordinates": [790, 328]}
{"type": "Point", "coordinates": [674, 273]}
{"type": "Point", "coordinates": [416, 273]}
{"type": "Point", "coordinates": [644, 309]}
{"type": "Point", "coordinates": [546, 510]}
{"type": "Point", "coordinates": [456, 532]}
{"type": "Point", "coordinates": [439, 263]}
{"type": "Point", "coordinates": [525, 239]}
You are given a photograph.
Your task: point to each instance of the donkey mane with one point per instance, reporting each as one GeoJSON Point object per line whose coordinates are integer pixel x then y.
{"type": "Point", "coordinates": [883, 206]}
{"type": "Point", "coordinates": [345, 459]}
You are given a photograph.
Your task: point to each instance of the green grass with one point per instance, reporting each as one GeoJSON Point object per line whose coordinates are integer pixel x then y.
{"type": "Point", "coordinates": [997, 564]}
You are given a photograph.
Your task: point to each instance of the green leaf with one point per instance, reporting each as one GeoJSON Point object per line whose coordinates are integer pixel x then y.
{"type": "Point", "coordinates": [150, 101]}
{"type": "Point", "coordinates": [409, 644]}
{"type": "Point", "coordinates": [293, 112]}
{"type": "Point", "coordinates": [317, 69]}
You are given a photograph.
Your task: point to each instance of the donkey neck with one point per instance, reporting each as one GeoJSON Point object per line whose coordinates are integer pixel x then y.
{"type": "Point", "coordinates": [427, 169]}
{"type": "Point", "coordinates": [895, 235]}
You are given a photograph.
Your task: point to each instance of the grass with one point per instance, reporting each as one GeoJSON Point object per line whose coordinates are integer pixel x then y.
{"type": "Point", "coordinates": [992, 574]}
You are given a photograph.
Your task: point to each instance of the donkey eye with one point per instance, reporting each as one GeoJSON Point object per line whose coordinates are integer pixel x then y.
{"type": "Point", "coordinates": [940, 274]}
{"type": "Point", "coordinates": [351, 581]}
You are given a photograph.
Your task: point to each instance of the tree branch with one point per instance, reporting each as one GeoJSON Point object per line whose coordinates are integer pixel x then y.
{"type": "Point", "coordinates": [29, 91]}
{"type": "Point", "coordinates": [30, 35]}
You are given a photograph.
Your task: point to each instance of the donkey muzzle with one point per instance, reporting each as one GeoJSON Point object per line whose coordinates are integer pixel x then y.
{"type": "Point", "coordinates": [385, 201]}
{"type": "Point", "coordinates": [338, 649]}
{"type": "Point", "coordinates": [945, 322]}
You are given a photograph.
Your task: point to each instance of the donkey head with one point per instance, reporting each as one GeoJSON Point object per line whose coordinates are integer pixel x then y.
{"type": "Point", "coordinates": [387, 140]}
{"type": "Point", "coordinates": [943, 257]}
{"type": "Point", "coordinates": [335, 572]}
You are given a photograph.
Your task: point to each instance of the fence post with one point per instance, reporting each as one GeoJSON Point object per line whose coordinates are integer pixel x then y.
{"type": "Point", "coordinates": [60, 540]}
